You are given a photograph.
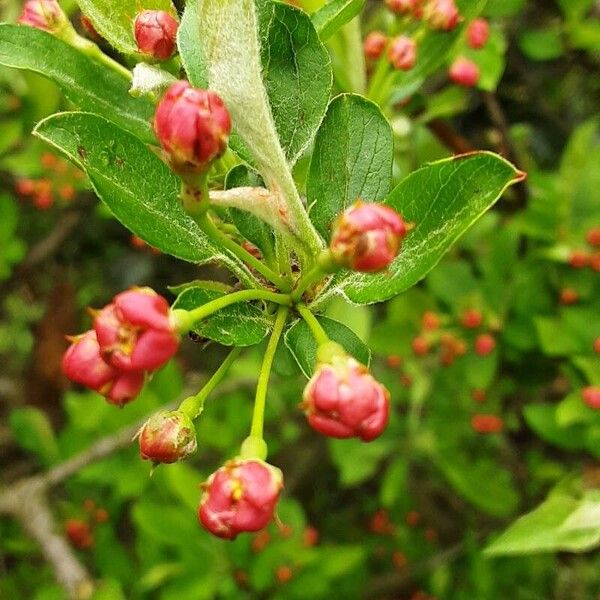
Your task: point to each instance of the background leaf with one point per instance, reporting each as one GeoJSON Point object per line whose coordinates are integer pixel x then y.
{"type": "Point", "coordinates": [303, 347]}
{"type": "Point", "coordinates": [352, 159]}
{"type": "Point", "coordinates": [443, 199]}
{"type": "Point", "coordinates": [88, 84]}
{"type": "Point", "coordinates": [334, 15]}
{"type": "Point", "coordinates": [241, 324]}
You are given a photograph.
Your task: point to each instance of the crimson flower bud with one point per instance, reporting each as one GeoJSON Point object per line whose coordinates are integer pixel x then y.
{"type": "Point", "coordinates": [569, 296]}
{"type": "Point", "coordinates": [593, 236]}
{"type": "Point", "coordinates": [484, 344]}
{"type": "Point", "coordinates": [155, 33]}
{"type": "Point", "coordinates": [420, 346]}
{"type": "Point", "coordinates": [240, 496]}
{"type": "Point", "coordinates": [442, 14]}
{"type": "Point", "coordinates": [595, 261]}
{"type": "Point", "coordinates": [579, 259]}
{"type": "Point", "coordinates": [135, 331]}
{"type": "Point", "coordinates": [471, 318]}
{"type": "Point", "coordinates": [374, 45]}
{"type": "Point", "coordinates": [83, 363]}
{"type": "Point", "coordinates": [591, 396]}
{"type": "Point", "coordinates": [402, 53]}
{"type": "Point", "coordinates": [401, 7]}
{"type": "Point", "coordinates": [479, 395]}
{"type": "Point", "coordinates": [464, 71]}
{"type": "Point", "coordinates": [367, 237]}
{"type": "Point", "coordinates": [478, 33]}
{"type": "Point", "coordinates": [487, 423]}
{"type": "Point", "coordinates": [344, 400]}
{"type": "Point", "coordinates": [79, 533]}
{"type": "Point", "coordinates": [43, 14]}
{"type": "Point", "coordinates": [192, 126]}
{"type": "Point", "coordinates": [167, 437]}
{"type": "Point", "coordinates": [430, 320]}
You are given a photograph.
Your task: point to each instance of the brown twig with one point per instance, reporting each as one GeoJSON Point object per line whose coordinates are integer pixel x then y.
{"type": "Point", "coordinates": [449, 137]}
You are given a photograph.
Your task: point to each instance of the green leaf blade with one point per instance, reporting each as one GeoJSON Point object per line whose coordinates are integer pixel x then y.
{"type": "Point", "coordinates": [334, 15]}
{"type": "Point", "coordinates": [352, 159]}
{"type": "Point", "coordinates": [443, 199]}
{"type": "Point", "coordinates": [86, 83]}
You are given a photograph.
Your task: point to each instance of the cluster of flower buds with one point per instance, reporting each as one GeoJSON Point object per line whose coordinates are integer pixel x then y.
{"type": "Point", "coordinates": [366, 237]}
{"type": "Point", "coordinates": [60, 182]}
{"type": "Point", "coordinates": [581, 258]}
{"type": "Point", "coordinates": [192, 126]}
{"type": "Point", "coordinates": [43, 14]}
{"type": "Point", "coordinates": [342, 399]}
{"type": "Point", "coordinates": [155, 33]}
{"type": "Point", "coordinates": [239, 497]}
{"type": "Point", "coordinates": [131, 336]}
{"type": "Point", "coordinates": [167, 437]}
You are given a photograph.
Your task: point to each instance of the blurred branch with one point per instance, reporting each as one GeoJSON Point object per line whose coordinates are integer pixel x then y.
{"type": "Point", "coordinates": [26, 501]}
{"type": "Point", "coordinates": [449, 137]}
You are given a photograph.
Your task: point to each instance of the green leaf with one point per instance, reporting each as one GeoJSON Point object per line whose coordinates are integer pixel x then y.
{"type": "Point", "coordinates": [563, 522]}
{"type": "Point", "coordinates": [303, 347]}
{"type": "Point", "coordinates": [252, 228]}
{"type": "Point", "coordinates": [190, 48]}
{"type": "Point", "coordinates": [358, 462]}
{"type": "Point", "coordinates": [481, 481]}
{"type": "Point", "coordinates": [241, 324]}
{"type": "Point", "coordinates": [334, 15]}
{"type": "Point", "coordinates": [542, 419]}
{"type": "Point", "coordinates": [87, 84]}
{"type": "Point", "coordinates": [138, 187]}
{"type": "Point", "coordinates": [352, 159]}
{"type": "Point", "coordinates": [33, 431]}
{"type": "Point", "coordinates": [114, 20]}
{"type": "Point", "coordinates": [542, 44]}
{"type": "Point", "coordinates": [443, 199]}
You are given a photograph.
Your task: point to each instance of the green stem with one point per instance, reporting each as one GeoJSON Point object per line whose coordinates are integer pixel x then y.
{"type": "Point", "coordinates": [312, 276]}
{"type": "Point", "coordinates": [316, 329]}
{"type": "Point", "coordinates": [185, 319]}
{"type": "Point", "coordinates": [194, 405]}
{"type": "Point", "coordinates": [219, 237]}
{"type": "Point", "coordinates": [258, 415]}
{"type": "Point", "coordinates": [88, 47]}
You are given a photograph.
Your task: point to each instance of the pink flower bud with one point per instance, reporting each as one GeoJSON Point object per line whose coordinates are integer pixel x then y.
{"type": "Point", "coordinates": [167, 437]}
{"type": "Point", "coordinates": [591, 396]}
{"type": "Point", "coordinates": [367, 237]}
{"type": "Point", "coordinates": [43, 14]}
{"type": "Point", "coordinates": [83, 363]}
{"type": "Point", "coordinates": [240, 496]}
{"type": "Point", "coordinates": [403, 53]}
{"type": "Point", "coordinates": [135, 331]}
{"type": "Point", "coordinates": [442, 14]}
{"type": "Point", "coordinates": [464, 71]}
{"type": "Point", "coordinates": [374, 45]}
{"type": "Point", "coordinates": [155, 33]}
{"type": "Point", "coordinates": [343, 400]}
{"type": "Point", "coordinates": [478, 33]}
{"type": "Point", "coordinates": [487, 423]}
{"type": "Point", "coordinates": [401, 7]}
{"type": "Point", "coordinates": [484, 344]}
{"type": "Point", "coordinates": [192, 126]}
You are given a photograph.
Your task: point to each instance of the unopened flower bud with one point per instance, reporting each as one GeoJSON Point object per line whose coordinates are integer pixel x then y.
{"type": "Point", "coordinates": [593, 236]}
{"type": "Point", "coordinates": [135, 331]}
{"type": "Point", "coordinates": [239, 497]}
{"type": "Point", "coordinates": [591, 396]}
{"type": "Point", "coordinates": [79, 533]}
{"type": "Point", "coordinates": [344, 400]}
{"type": "Point", "coordinates": [487, 424]}
{"type": "Point", "coordinates": [484, 344]}
{"type": "Point", "coordinates": [471, 318]}
{"type": "Point", "coordinates": [43, 14]}
{"type": "Point", "coordinates": [366, 237]}
{"type": "Point", "coordinates": [478, 33]}
{"type": "Point", "coordinates": [402, 53]}
{"type": "Point", "coordinates": [401, 7]}
{"type": "Point", "coordinates": [374, 45]}
{"type": "Point", "coordinates": [578, 259]}
{"type": "Point", "coordinates": [192, 126]}
{"type": "Point", "coordinates": [167, 437]}
{"type": "Point", "coordinates": [83, 363]}
{"type": "Point", "coordinates": [441, 14]}
{"type": "Point", "coordinates": [155, 33]}
{"type": "Point", "coordinates": [464, 71]}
